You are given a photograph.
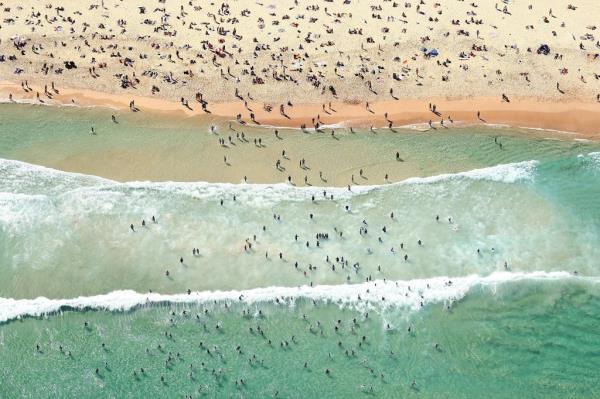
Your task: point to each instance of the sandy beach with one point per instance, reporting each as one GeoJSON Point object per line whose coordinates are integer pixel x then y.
{"type": "Point", "coordinates": [355, 63]}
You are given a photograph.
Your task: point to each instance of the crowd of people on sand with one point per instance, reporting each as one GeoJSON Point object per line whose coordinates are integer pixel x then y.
{"type": "Point", "coordinates": [303, 52]}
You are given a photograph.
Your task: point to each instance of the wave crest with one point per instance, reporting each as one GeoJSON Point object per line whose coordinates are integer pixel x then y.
{"type": "Point", "coordinates": [23, 178]}
{"type": "Point", "coordinates": [410, 295]}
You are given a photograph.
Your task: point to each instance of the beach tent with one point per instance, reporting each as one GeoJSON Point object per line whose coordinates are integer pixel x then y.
{"type": "Point", "coordinates": [430, 53]}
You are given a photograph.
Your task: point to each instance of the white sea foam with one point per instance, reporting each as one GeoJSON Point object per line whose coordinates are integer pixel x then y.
{"type": "Point", "coordinates": [591, 159]}
{"type": "Point", "coordinates": [339, 125]}
{"type": "Point", "coordinates": [265, 194]}
{"type": "Point", "coordinates": [421, 127]}
{"type": "Point", "coordinates": [595, 157]}
{"type": "Point", "coordinates": [11, 206]}
{"type": "Point", "coordinates": [503, 173]}
{"type": "Point", "coordinates": [409, 295]}
{"type": "Point", "coordinates": [21, 177]}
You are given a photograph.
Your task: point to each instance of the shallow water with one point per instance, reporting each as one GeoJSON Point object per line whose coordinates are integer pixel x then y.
{"type": "Point", "coordinates": [506, 281]}
{"type": "Point", "coordinates": [169, 148]}
{"type": "Point", "coordinates": [65, 235]}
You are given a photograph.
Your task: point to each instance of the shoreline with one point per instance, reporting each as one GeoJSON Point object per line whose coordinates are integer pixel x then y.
{"type": "Point", "coordinates": [579, 118]}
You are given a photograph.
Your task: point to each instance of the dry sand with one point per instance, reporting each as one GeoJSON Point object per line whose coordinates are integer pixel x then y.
{"type": "Point", "coordinates": [290, 50]}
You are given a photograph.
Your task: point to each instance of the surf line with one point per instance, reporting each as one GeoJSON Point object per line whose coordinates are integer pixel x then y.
{"type": "Point", "coordinates": [406, 294]}
{"type": "Point", "coordinates": [503, 173]}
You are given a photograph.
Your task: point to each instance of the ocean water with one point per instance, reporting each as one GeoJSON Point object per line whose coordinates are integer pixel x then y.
{"type": "Point", "coordinates": [528, 338]}
{"type": "Point", "coordinates": [490, 253]}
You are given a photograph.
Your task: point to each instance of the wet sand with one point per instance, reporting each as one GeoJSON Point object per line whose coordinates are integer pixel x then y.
{"type": "Point", "coordinates": [582, 118]}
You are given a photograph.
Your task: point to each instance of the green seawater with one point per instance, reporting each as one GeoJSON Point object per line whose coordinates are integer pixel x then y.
{"type": "Point", "coordinates": [524, 339]}
{"type": "Point", "coordinates": [489, 252]}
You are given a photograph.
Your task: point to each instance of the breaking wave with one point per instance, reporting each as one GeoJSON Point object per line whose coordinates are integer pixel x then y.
{"type": "Point", "coordinates": [410, 295]}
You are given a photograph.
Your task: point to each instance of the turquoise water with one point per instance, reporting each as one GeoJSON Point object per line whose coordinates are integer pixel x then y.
{"type": "Point", "coordinates": [524, 339]}
{"type": "Point", "coordinates": [491, 253]}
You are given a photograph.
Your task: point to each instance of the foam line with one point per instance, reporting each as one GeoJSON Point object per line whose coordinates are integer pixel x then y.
{"type": "Point", "coordinates": [19, 177]}
{"type": "Point", "coordinates": [403, 294]}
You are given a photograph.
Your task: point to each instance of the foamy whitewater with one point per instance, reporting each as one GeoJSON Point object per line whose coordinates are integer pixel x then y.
{"type": "Point", "coordinates": [16, 176]}
{"type": "Point", "coordinates": [411, 295]}
{"type": "Point", "coordinates": [67, 227]}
